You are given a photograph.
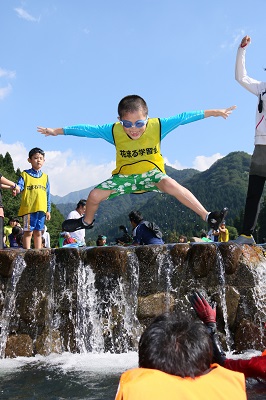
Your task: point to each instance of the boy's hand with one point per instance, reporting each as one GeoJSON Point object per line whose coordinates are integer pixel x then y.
{"type": "Point", "coordinates": [225, 112]}
{"type": "Point", "coordinates": [15, 190]}
{"type": "Point", "coordinates": [48, 216]}
{"type": "Point", "coordinates": [245, 41]}
{"type": "Point", "coordinates": [50, 131]}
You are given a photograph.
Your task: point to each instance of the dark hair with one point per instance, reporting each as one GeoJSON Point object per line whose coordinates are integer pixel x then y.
{"type": "Point", "coordinates": [101, 237]}
{"type": "Point", "coordinates": [12, 219]}
{"type": "Point", "coordinates": [19, 238]}
{"type": "Point", "coordinates": [16, 230]}
{"type": "Point", "coordinates": [135, 216]}
{"type": "Point", "coordinates": [36, 150]}
{"type": "Point", "coordinates": [203, 234]}
{"type": "Point", "coordinates": [131, 104]}
{"type": "Point", "coordinates": [81, 203]}
{"type": "Point", "coordinates": [177, 345]}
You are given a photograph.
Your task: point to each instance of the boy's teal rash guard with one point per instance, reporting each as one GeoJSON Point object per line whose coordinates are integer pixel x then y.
{"type": "Point", "coordinates": [105, 131]}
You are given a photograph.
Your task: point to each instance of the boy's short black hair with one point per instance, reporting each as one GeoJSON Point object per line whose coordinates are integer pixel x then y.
{"type": "Point", "coordinates": [135, 216]}
{"type": "Point", "coordinates": [131, 104]}
{"type": "Point", "coordinates": [176, 344]}
{"type": "Point", "coordinates": [36, 150]}
{"type": "Point", "coordinates": [101, 237]}
{"type": "Point", "coordinates": [16, 230]}
{"type": "Point", "coordinates": [81, 203]}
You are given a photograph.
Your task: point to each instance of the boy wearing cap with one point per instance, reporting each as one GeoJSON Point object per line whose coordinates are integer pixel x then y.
{"type": "Point", "coordinates": [35, 205]}
{"type": "Point", "coordinates": [101, 240]}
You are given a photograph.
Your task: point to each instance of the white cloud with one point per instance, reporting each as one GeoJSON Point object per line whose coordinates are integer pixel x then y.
{"type": "Point", "coordinates": [66, 174]}
{"type": "Point", "coordinates": [4, 91]}
{"type": "Point", "coordinates": [176, 164]}
{"type": "Point", "coordinates": [201, 163]}
{"type": "Point", "coordinates": [25, 15]}
{"type": "Point", "coordinates": [7, 74]}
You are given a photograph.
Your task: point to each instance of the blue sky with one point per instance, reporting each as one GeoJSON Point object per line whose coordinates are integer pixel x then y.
{"type": "Point", "coordinates": [68, 62]}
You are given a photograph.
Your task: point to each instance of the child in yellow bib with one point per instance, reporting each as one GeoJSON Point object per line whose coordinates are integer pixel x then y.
{"type": "Point", "coordinates": [35, 206]}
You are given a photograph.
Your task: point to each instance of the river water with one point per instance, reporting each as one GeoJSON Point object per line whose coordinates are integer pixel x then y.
{"type": "Point", "coordinates": [75, 376]}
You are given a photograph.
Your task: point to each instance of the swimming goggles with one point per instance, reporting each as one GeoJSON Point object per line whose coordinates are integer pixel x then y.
{"type": "Point", "coordinates": [138, 124]}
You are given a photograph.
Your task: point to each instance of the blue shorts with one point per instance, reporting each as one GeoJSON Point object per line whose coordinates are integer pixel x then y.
{"type": "Point", "coordinates": [34, 221]}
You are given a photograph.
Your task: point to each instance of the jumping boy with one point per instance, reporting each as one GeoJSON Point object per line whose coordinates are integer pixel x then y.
{"type": "Point", "coordinates": [139, 163]}
{"type": "Point", "coordinates": [35, 205]}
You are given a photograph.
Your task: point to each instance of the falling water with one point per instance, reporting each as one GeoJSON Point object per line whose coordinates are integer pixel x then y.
{"type": "Point", "coordinates": [116, 309]}
{"type": "Point", "coordinates": [88, 327]}
{"type": "Point", "coordinates": [220, 270]}
{"type": "Point", "coordinates": [9, 301]}
{"type": "Point", "coordinates": [165, 272]}
{"type": "Point", "coordinates": [259, 295]}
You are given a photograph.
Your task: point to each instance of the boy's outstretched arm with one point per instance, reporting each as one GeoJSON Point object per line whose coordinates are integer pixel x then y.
{"type": "Point", "coordinates": [50, 131]}
{"type": "Point", "coordinates": [222, 112]}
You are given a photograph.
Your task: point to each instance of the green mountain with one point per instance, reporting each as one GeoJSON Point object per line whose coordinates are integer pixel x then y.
{"type": "Point", "coordinates": [223, 184]}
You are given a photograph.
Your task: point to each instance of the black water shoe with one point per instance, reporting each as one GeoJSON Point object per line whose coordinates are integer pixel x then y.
{"type": "Point", "coordinates": [216, 217]}
{"type": "Point", "coordinates": [72, 225]}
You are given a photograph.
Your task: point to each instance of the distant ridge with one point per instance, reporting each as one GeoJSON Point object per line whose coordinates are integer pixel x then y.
{"type": "Point", "coordinates": [72, 197]}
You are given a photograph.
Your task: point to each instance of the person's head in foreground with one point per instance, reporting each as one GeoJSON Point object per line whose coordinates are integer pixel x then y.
{"type": "Point", "coordinates": [175, 354]}
{"type": "Point", "coordinates": [176, 344]}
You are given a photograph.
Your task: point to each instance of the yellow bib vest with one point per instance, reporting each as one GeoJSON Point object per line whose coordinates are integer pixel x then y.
{"type": "Point", "coordinates": [34, 196]}
{"type": "Point", "coordinates": [141, 155]}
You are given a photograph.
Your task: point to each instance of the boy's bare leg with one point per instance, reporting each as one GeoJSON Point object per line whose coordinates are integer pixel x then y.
{"type": "Point", "coordinates": [95, 197]}
{"type": "Point", "coordinates": [170, 186]}
{"type": "Point", "coordinates": [27, 239]}
{"type": "Point", "coordinates": [37, 239]}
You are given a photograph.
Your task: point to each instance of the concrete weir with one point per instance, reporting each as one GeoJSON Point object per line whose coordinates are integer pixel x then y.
{"type": "Point", "coordinates": [99, 299]}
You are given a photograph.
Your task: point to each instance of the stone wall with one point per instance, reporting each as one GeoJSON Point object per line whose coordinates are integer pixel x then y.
{"type": "Point", "coordinates": [101, 298]}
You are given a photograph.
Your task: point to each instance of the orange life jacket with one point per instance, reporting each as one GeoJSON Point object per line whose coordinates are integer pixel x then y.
{"type": "Point", "coordinates": [218, 384]}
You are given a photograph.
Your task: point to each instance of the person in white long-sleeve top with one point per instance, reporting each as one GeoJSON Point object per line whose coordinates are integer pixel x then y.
{"type": "Point", "coordinates": [79, 236]}
{"type": "Point", "coordinates": [257, 172]}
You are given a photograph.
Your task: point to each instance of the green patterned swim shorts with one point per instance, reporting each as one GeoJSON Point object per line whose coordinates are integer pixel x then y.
{"type": "Point", "coordinates": [138, 183]}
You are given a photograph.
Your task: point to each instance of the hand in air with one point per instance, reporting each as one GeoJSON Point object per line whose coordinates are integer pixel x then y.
{"type": "Point", "coordinates": [204, 310]}
{"type": "Point", "coordinates": [226, 112]}
{"type": "Point", "coordinates": [46, 131]}
{"type": "Point", "coordinates": [245, 41]}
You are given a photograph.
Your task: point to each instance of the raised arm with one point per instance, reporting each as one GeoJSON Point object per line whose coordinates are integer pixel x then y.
{"type": "Point", "coordinates": [241, 76]}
